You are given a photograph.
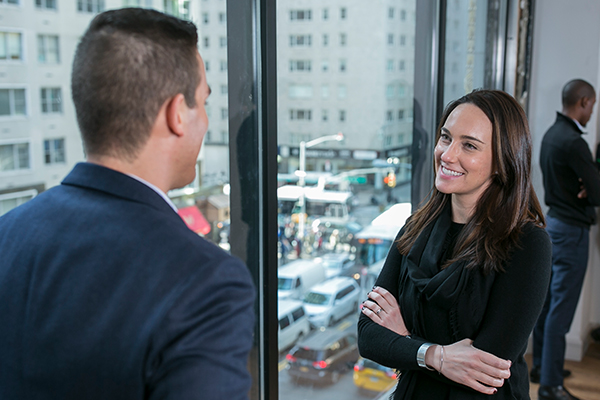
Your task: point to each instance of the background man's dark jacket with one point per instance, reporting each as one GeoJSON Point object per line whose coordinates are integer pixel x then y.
{"type": "Point", "coordinates": [567, 165]}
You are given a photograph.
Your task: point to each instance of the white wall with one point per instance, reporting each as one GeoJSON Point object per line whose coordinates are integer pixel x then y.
{"type": "Point", "coordinates": [566, 45]}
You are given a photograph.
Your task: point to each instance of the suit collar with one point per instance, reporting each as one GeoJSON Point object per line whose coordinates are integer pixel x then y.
{"type": "Point", "coordinates": [561, 116]}
{"type": "Point", "coordinates": [97, 177]}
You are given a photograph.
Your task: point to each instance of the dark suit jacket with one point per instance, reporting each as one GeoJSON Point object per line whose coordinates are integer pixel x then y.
{"type": "Point", "coordinates": [106, 294]}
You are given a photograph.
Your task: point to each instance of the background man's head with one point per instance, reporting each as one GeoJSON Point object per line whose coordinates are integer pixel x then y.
{"type": "Point", "coordinates": [128, 63]}
{"type": "Point", "coordinates": [578, 98]}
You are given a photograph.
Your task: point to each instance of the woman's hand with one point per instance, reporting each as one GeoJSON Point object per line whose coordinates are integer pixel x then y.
{"type": "Point", "coordinates": [464, 364]}
{"type": "Point", "coordinates": [383, 309]}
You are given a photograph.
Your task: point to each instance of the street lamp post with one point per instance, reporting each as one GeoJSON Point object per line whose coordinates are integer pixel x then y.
{"type": "Point", "coordinates": [302, 173]}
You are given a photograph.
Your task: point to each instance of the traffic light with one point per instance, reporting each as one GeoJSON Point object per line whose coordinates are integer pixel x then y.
{"type": "Point", "coordinates": [390, 179]}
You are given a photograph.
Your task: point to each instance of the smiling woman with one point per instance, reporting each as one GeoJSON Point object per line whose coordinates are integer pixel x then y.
{"type": "Point", "coordinates": [461, 291]}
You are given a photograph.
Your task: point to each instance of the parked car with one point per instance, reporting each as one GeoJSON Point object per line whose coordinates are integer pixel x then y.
{"type": "Point", "coordinates": [368, 375]}
{"type": "Point", "coordinates": [329, 301]}
{"type": "Point", "coordinates": [339, 264]}
{"type": "Point", "coordinates": [297, 277]}
{"type": "Point", "coordinates": [324, 355]}
{"type": "Point", "coordinates": [293, 323]}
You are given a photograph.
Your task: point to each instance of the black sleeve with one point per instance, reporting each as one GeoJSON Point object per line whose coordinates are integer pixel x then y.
{"type": "Point", "coordinates": [583, 164]}
{"type": "Point", "coordinates": [517, 297]}
{"type": "Point", "coordinates": [378, 343]}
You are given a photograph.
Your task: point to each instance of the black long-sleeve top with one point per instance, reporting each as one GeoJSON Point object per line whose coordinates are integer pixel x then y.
{"type": "Point", "coordinates": [497, 311]}
{"type": "Point", "coordinates": [565, 159]}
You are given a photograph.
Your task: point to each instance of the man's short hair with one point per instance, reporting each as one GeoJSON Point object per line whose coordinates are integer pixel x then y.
{"type": "Point", "coordinates": [128, 63]}
{"type": "Point", "coordinates": [575, 90]}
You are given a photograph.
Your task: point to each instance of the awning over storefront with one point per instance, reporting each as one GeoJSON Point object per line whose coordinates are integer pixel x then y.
{"type": "Point", "coordinates": [194, 220]}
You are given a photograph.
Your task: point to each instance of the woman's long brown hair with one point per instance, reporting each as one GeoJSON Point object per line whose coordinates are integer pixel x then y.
{"type": "Point", "coordinates": [508, 203]}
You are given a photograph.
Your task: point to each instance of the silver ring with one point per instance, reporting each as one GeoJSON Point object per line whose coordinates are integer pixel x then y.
{"type": "Point", "coordinates": [378, 311]}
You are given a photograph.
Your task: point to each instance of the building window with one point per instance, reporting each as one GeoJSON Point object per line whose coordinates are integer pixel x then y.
{"type": "Point", "coordinates": [343, 66]}
{"type": "Point", "coordinates": [300, 15]}
{"type": "Point", "coordinates": [54, 151]}
{"type": "Point", "coordinates": [299, 91]}
{"type": "Point", "coordinates": [222, 18]}
{"type": "Point", "coordinates": [325, 40]}
{"type": "Point", "coordinates": [205, 18]}
{"type": "Point", "coordinates": [224, 137]}
{"type": "Point", "coordinates": [402, 15]}
{"type": "Point", "coordinates": [224, 113]}
{"type": "Point", "coordinates": [206, 41]}
{"type": "Point", "coordinates": [389, 91]}
{"type": "Point", "coordinates": [223, 89]}
{"type": "Point", "coordinates": [325, 14]}
{"type": "Point", "coordinates": [390, 38]}
{"type": "Point", "coordinates": [342, 91]}
{"type": "Point", "coordinates": [325, 66]}
{"type": "Point", "coordinates": [177, 8]}
{"type": "Point", "coordinates": [223, 66]}
{"type": "Point", "coordinates": [343, 13]}
{"type": "Point", "coordinates": [90, 6]}
{"type": "Point", "coordinates": [51, 100]}
{"type": "Point", "coordinates": [300, 65]}
{"type": "Point", "coordinates": [11, 47]}
{"type": "Point", "coordinates": [342, 115]}
{"type": "Point", "coordinates": [15, 2]}
{"type": "Point", "coordinates": [300, 40]}
{"type": "Point", "coordinates": [391, 12]}
{"type": "Point", "coordinates": [324, 115]}
{"type": "Point", "coordinates": [207, 65]}
{"type": "Point", "coordinates": [389, 116]}
{"type": "Point", "coordinates": [343, 39]}
{"type": "Point", "coordinates": [390, 65]}
{"type": "Point", "coordinates": [400, 114]}
{"type": "Point", "coordinates": [325, 91]}
{"type": "Point", "coordinates": [208, 137]}
{"type": "Point", "coordinates": [48, 49]}
{"type": "Point", "coordinates": [12, 102]}
{"type": "Point", "coordinates": [300, 115]}
{"type": "Point", "coordinates": [223, 41]}
{"type": "Point", "coordinates": [402, 40]}
{"type": "Point", "coordinates": [47, 4]}
{"type": "Point", "coordinates": [14, 157]}
{"type": "Point", "coordinates": [401, 65]}
{"type": "Point", "coordinates": [11, 200]}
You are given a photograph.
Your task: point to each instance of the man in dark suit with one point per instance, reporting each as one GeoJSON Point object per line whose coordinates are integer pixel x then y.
{"type": "Point", "coordinates": [572, 190]}
{"type": "Point", "coordinates": [104, 291]}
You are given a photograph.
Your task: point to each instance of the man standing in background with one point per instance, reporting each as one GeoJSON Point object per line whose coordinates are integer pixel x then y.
{"type": "Point", "coordinates": [572, 190]}
{"type": "Point", "coordinates": [105, 292]}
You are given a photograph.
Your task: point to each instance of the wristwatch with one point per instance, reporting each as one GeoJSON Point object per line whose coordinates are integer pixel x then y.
{"type": "Point", "coordinates": [421, 355]}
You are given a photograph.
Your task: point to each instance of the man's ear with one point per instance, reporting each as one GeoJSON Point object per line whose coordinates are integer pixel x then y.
{"type": "Point", "coordinates": [176, 109]}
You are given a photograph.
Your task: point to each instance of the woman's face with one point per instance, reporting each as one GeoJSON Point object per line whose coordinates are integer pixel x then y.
{"type": "Point", "coordinates": [463, 155]}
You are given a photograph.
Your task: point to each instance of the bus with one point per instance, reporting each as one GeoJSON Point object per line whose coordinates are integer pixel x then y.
{"type": "Point", "coordinates": [373, 243]}
{"type": "Point", "coordinates": [318, 202]}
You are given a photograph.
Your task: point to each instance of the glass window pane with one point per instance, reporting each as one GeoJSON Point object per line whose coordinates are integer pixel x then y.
{"type": "Point", "coordinates": [7, 160]}
{"type": "Point", "coordinates": [14, 46]}
{"type": "Point", "coordinates": [23, 155]}
{"type": "Point", "coordinates": [4, 102]}
{"type": "Point", "coordinates": [465, 59]}
{"type": "Point", "coordinates": [331, 189]}
{"type": "Point", "coordinates": [19, 102]}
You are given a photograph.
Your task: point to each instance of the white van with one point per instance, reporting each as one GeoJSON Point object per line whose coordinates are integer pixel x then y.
{"type": "Point", "coordinates": [296, 278]}
{"type": "Point", "coordinates": [330, 301]}
{"type": "Point", "coordinates": [293, 322]}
